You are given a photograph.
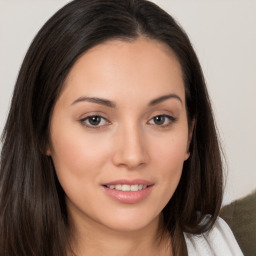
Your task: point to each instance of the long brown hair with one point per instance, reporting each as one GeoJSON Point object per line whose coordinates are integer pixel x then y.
{"type": "Point", "coordinates": [33, 216]}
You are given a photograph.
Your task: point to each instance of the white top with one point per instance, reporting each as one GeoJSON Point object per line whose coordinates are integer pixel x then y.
{"type": "Point", "coordinates": [219, 241]}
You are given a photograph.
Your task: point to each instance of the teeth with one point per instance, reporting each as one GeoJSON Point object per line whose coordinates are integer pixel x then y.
{"type": "Point", "coordinates": [118, 187]}
{"type": "Point", "coordinates": [126, 187]}
{"type": "Point", "coordinates": [134, 187]}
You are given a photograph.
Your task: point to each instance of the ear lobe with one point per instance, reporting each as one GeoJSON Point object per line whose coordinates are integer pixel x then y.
{"type": "Point", "coordinates": [187, 156]}
{"type": "Point", "coordinates": [48, 152]}
{"type": "Point", "coordinates": [191, 130]}
{"type": "Point", "coordinates": [190, 135]}
{"type": "Point", "coordinates": [45, 150]}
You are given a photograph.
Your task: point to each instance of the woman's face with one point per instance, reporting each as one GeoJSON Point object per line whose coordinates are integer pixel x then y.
{"type": "Point", "coordinates": [119, 134]}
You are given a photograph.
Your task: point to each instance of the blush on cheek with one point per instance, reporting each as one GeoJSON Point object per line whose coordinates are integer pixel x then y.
{"type": "Point", "coordinates": [78, 155]}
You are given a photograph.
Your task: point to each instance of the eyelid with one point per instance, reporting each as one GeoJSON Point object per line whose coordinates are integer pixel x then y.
{"type": "Point", "coordinates": [84, 119]}
{"type": "Point", "coordinates": [171, 119]}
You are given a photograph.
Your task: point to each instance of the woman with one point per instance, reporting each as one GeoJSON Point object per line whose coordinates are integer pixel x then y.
{"type": "Point", "coordinates": [110, 146]}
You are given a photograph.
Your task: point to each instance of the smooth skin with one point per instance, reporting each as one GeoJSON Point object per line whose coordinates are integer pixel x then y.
{"type": "Point", "coordinates": [112, 121]}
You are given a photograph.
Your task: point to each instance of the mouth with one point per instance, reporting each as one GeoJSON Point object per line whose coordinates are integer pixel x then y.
{"type": "Point", "coordinates": [127, 187]}
{"type": "Point", "coordinates": [128, 191]}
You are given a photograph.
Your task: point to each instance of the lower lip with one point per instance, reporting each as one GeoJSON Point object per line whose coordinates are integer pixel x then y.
{"type": "Point", "coordinates": [128, 197]}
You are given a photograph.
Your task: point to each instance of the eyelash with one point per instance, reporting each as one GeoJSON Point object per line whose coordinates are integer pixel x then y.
{"type": "Point", "coordinates": [85, 121]}
{"type": "Point", "coordinates": [170, 119]}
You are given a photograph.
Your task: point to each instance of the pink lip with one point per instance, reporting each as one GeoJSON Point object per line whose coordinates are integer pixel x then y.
{"type": "Point", "coordinates": [128, 197]}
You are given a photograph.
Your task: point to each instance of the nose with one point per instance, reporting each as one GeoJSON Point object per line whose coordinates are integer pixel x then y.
{"type": "Point", "coordinates": [131, 150]}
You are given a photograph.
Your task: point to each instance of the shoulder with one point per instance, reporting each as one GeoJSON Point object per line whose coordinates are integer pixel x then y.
{"type": "Point", "coordinates": [218, 241]}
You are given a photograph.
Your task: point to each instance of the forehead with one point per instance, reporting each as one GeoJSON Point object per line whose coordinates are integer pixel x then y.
{"type": "Point", "coordinates": [125, 68]}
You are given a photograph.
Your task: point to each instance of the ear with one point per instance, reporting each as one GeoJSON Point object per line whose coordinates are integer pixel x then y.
{"type": "Point", "coordinates": [45, 149]}
{"type": "Point", "coordinates": [48, 150]}
{"type": "Point", "coordinates": [190, 135]}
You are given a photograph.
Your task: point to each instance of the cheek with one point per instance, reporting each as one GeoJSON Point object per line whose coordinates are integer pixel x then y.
{"type": "Point", "coordinates": [171, 151]}
{"type": "Point", "coordinates": [169, 156]}
{"type": "Point", "coordinates": [75, 152]}
{"type": "Point", "coordinates": [78, 159]}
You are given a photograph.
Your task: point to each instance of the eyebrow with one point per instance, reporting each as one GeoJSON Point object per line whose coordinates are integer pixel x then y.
{"type": "Point", "coordinates": [111, 104]}
{"type": "Point", "coordinates": [96, 100]}
{"type": "Point", "coordinates": [165, 97]}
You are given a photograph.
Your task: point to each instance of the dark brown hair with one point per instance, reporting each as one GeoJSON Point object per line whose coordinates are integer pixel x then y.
{"type": "Point", "coordinates": [33, 216]}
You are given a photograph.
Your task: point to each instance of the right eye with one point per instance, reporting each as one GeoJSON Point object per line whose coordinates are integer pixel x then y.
{"type": "Point", "coordinates": [94, 121]}
{"type": "Point", "coordinates": [162, 120]}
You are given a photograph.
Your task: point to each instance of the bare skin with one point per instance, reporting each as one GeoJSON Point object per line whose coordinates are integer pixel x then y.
{"type": "Point", "coordinates": [121, 116]}
{"type": "Point", "coordinates": [111, 243]}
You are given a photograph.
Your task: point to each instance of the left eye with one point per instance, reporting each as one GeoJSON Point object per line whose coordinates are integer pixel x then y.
{"type": "Point", "coordinates": [162, 120]}
{"type": "Point", "coordinates": [94, 121]}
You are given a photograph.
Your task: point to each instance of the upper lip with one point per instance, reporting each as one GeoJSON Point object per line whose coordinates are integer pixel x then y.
{"type": "Point", "coordinates": [129, 182]}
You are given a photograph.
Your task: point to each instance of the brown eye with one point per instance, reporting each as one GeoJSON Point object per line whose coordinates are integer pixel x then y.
{"type": "Point", "coordinates": [162, 120]}
{"type": "Point", "coordinates": [159, 120]}
{"type": "Point", "coordinates": [94, 121]}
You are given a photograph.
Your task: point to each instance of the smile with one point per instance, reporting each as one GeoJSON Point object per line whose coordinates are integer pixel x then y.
{"type": "Point", "coordinates": [126, 187]}
{"type": "Point", "coordinates": [128, 191]}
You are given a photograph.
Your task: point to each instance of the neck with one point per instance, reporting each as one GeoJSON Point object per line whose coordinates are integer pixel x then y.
{"type": "Point", "coordinates": [93, 239]}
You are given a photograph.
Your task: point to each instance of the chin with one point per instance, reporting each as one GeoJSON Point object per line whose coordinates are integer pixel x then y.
{"type": "Point", "coordinates": [125, 223]}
